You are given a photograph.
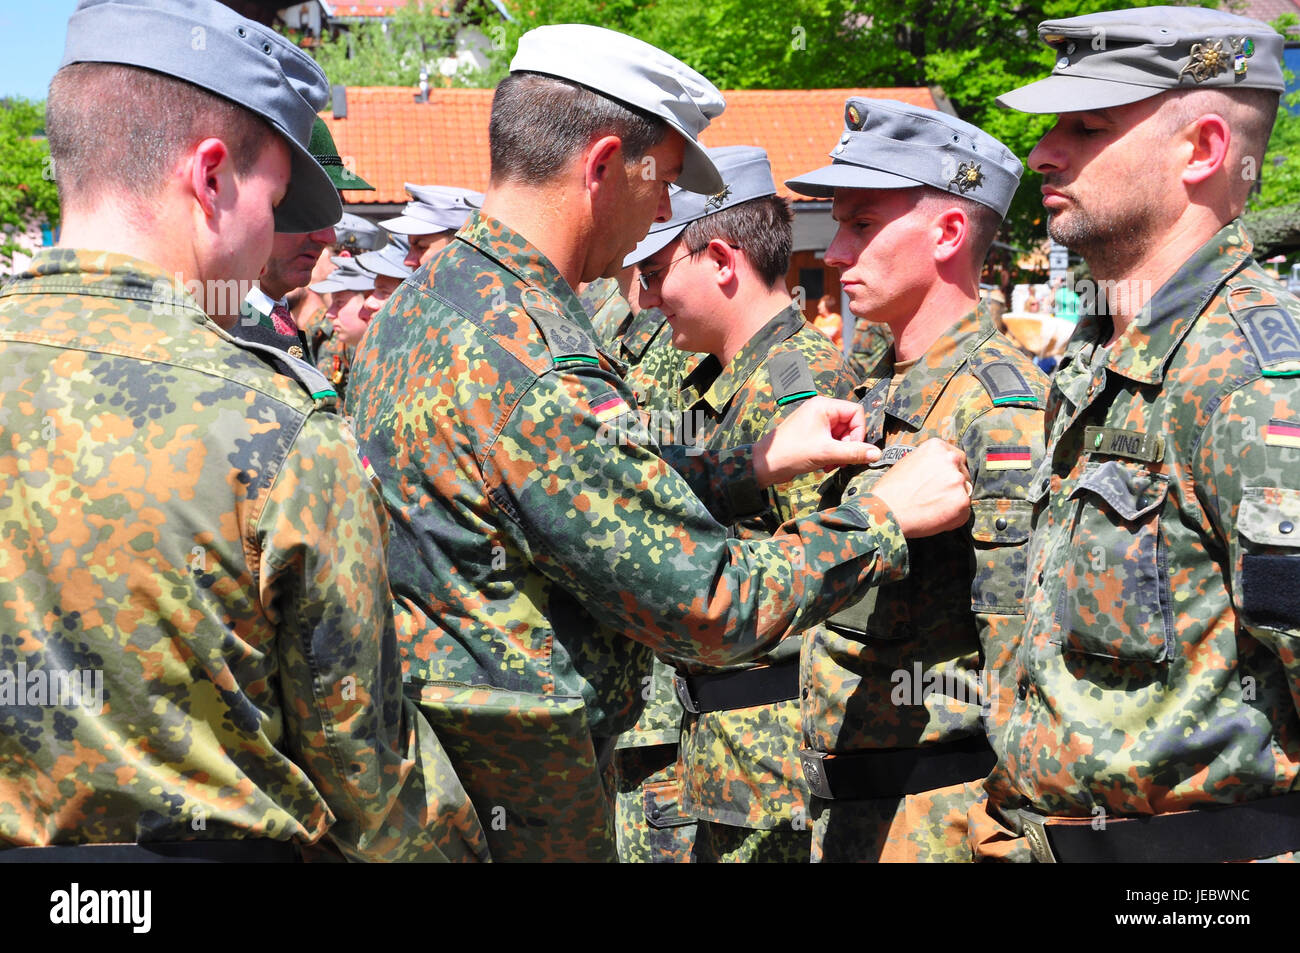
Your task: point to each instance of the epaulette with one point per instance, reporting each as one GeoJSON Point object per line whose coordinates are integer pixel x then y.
{"type": "Point", "coordinates": [312, 380]}
{"type": "Point", "coordinates": [567, 342]}
{"type": "Point", "coordinates": [791, 377]}
{"type": "Point", "coordinates": [1006, 386]}
{"type": "Point", "coordinates": [1272, 333]}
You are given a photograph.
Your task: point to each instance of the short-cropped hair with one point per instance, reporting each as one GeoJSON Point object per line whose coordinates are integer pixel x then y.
{"type": "Point", "coordinates": [539, 123]}
{"type": "Point", "coordinates": [762, 228]}
{"type": "Point", "coordinates": [119, 130]}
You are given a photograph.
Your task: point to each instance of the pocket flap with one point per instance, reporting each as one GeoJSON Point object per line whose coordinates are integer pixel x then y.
{"type": "Point", "coordinates": [1131, 490]}
{"type": "Point", "coordinates": [663, 804]}
{"type": "Point", "coordinates": [1269, 516]}
{"type": "Point", "coordinates": [1003, 522]}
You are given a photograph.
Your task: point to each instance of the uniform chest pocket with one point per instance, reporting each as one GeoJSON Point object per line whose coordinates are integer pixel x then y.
{"type": "Point", "coordinates": [1268, 524]}
{"type": "Point", "coordinates": [1115, 602]}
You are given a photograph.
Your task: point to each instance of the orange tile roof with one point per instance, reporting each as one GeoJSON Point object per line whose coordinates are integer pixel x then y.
{"type": "Point", "coordinates": [389, 139]}
{"type": "Point", "coordinates": [377, 8]}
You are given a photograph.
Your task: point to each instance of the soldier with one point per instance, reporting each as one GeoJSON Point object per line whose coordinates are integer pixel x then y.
{"type": "Point", "coordinates": [187, 531]}
{"type": "Point", "coordinates": [542, 546]}
{"type": "Point", "coordinates": [353, 235]}
{"type": "Point", "coordinates": [431, 220]}
{"type": "Point", "coordinates": [348, 287]}
{"type": "Point", "coordinates": [267, 317]}
{"type": "Point", "coordinates": [1155, 713]}
{"type": "Point", "coordinates": [717, 270]}
{"type": "Point", "coordinates": [900, 690]}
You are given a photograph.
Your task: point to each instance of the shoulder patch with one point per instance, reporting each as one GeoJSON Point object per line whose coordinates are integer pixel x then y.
{"type": "Point", "coordinates": [1005, 384]}
{"type": "Point", "coordinates": [311, 380]}
{"type": "Point", "coordinates": [791, 378]}
{"type": "Point", "coordinates": [567, 342]}
{"type": "Point", "coordinates": [1273, 335]}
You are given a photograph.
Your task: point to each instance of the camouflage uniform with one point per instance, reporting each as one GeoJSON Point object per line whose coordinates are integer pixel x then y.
{"type": "Point", "coordinates": [198, 529]}
{"type": "Point", "coordinates": [740, 767]}
{"type": "Point", "coordinates": [540, 544]}
{"type": "Point", "coordinates": [609, 310]}
{"type": "Point", "coordinates": [902, 668]}
{"type": "Point", "coordinates": [871, 342]}
{"type": "Point", "coordinates": [1159, 669]}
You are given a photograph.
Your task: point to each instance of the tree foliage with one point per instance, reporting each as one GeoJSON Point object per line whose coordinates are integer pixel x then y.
{"type": "Point", "coordinates": [27, 189]}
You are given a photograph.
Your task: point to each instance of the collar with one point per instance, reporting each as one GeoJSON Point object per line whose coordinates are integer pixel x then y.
{"type": "Point", "coordinates": [925, 380]}
{"type": "Point", "coordinates": [644, 328]}
{"type": "Point", "coordinates": [514, 253]}
{"type": "Point", "coordinates": [716, 385]}
{"type": "Point", "coordinates": [261, 302]}
{"type": "Point", "coordinates": [107, 274]}
{"type": "Point", "coordinates": [1142, 352]}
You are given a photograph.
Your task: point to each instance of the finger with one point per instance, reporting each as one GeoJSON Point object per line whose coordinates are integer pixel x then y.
{"type": "Point", "coordinates": [848, 454]}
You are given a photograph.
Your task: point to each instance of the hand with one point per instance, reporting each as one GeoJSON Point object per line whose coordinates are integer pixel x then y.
{"type": "Point", "coordinates": [822, 434]}
{"type": "Point", "coordinates": [928, 491]}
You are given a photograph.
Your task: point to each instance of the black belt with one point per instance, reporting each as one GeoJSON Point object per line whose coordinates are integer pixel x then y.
{"type": "Point", "coordinates": [893, 772]}
{"type": "Point", "coordinates": [1219, 834]}
{"type": "Point", "coordinates": [764, 685]}
{"type": "Point", "coordinates": [255, 851]}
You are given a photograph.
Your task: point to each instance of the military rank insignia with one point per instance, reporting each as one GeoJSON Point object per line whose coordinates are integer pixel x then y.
{"type": "Point", "coordinates": [1282, 433]}
{"type": "Point", "coordinates": [969, 176]}
{"type": "Point", "coordinates": [1007, 458]}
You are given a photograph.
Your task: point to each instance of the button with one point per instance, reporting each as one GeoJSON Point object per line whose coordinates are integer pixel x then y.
{"type": "Point", "coordinates": [851, 491]}
{"type": "Point", "coordinates": [1040, 578]}
{"type": "Point", "coordinates": [1285, 526]}
{"type": "Point", "coordinates": [1062, 63]}
{"type": "Point", "coordinates": [1000, 523]}
{"type": "Point", "coordinates": [654, 812]}
{"type": "Point", "coordinates": [1022, 689]}
{"type": "Point", "coordinates": [803, 693]}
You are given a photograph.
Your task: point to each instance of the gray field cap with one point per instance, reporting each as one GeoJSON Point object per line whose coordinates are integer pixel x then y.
{"type": "Point", "coordinates": [388, 260]}
{"type": "Point", "coordinates": [346, 276]}
{"type": "Point", "coordinates": [1123, 56]}
{"type": "Point", "coordinates": [437, 208]}
{"type": "Point", "coordinates": [746, 174]}
{"type": "Point", "coordinates": [358, 234]}
{"type": "Point", "coordinates": [891, 145]}
{"type": "Point", "coordinates": [209, 45]}
{"type": "Point", "coordinates": [633, 72]}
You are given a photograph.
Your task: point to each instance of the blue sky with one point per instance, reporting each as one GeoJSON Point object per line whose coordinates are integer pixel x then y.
{"type": "Point", "coordinates": [31, 44]}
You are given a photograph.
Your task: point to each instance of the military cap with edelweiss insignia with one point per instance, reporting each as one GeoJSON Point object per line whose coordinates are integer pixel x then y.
{"type": "Point", "coordinates": [633, 72]}
{"type": "Point", "coordinates": [357, 234]}
{"type": "Point", "coordinates": [211, 46]}
{"type": "Point", "coordinates": [746, 174]}
{"type": "Point", "coordinates": [891, 145]}
{"type": "Point", "coordinates": [1123, 56]}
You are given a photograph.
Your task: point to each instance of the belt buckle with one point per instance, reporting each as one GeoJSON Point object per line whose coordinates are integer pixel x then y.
{"type": "Point", "coordinates": [1035, 828]}
{"type": "Point", "coordinates": [814, 773]}
{"type": "Point", "coordinates": [683, 691]}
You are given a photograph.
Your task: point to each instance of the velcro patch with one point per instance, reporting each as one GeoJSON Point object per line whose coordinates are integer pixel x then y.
{"type": "Point", "coordinates": [609, 407]}
{"type": "Point", "coordinates": [1130, 444]}
{"type": "Point", "coordinates": [1282, 433]}
{"type": "Point", "coordinates": [1274, 336]}
{"type": "Point", "coordinates": [1007, 458]}
{"type": "Point", "coordinates": [791, 378]}
{"type": "Point", "coordinates": [564, 339]}
{"type": "Point", "coordinates": [1005, 384]}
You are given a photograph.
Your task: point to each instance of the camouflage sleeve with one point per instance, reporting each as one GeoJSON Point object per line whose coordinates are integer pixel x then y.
{"type": "Point", "coordinates": [1247, 474]}
{"type": "Point", "coordinates": [723, 480]}
{"type": "Point", "coordinates": [615, 525]}
{"type": "Point", "coordinates": [369, 752]}
{"type": "Point", "coordinates": [1004, 448]}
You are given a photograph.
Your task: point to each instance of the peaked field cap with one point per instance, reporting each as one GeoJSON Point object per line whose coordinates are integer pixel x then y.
{"type": "Point", "coordinates": [746, 174]}
{"type": "Point", "coordinates": [346, 276]}
{"type": "Point", "coordinates": [887, 144]}
{"type": "Point", "coordinates": [207, 44]}
{"type": "Point", "coordinates": [1124, 56]}
{"type": "Point", "coordinates": [389, 260]}
{"type": "Point", "coordinates": [358, 234]}
{"type": "Point", "coordinates": [635, 73]}
{"type": "Point", "coordinates": [324, 151]}
{"type": "Point", "coordinates": [437, 208]}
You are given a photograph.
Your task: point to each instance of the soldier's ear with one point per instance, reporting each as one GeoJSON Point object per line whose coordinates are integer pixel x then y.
{"type": "Point", "coordinates": [1205, 142]}
{"type": "Point", "coordinates": [603, 158]}
{"type": "Point", "coordinates": [724, 259]}
{"type": "Point", "coordinates": [209, 173]}
{"type": "Point", "coordinates": [951, 230]}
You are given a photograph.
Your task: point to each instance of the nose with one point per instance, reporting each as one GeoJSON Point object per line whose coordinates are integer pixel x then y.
{"type": "Point", "coordinates": [1047, 155]}
{"type": "Point", "coordinates": [648, 297]}
{"type": "Point", "coordinates": [412, 259]}
{"type": "Point", "coordinates": [665, 206]}
{"type": "Point", "coordinates": [837, 253]}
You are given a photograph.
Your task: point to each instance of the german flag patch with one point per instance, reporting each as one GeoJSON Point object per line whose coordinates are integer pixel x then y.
{"type": "Point", "coordinates": [1007, 458]}
{"type": "Point", "coordinates": [610, 407]}
{"type": "Point", "coordinates": [1282, 433]}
